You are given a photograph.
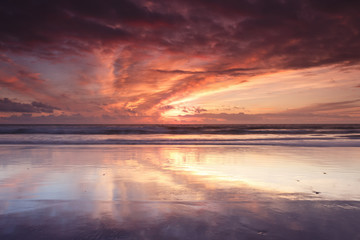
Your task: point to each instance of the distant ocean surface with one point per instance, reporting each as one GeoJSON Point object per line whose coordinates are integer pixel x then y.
{"type": "Point", "coordinates": [283, 135]}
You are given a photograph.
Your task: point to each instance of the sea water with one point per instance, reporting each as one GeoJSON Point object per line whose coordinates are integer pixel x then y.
{"type": "Point", "coordinates": [179, 182]}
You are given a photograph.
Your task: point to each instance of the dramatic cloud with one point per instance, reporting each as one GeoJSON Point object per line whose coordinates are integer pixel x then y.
{"type": "Point", "coordinates": [133, 57]}
{"type": "Point", "coordinates": [291, 33]}
{"type": "Point", "coordinates": [6, 105]}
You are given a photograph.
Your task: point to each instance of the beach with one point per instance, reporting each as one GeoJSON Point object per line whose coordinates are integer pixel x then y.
{"type": "Point", "coordinates": [179, 120]}
{"type": "Point", "coordinates": [170, 191]}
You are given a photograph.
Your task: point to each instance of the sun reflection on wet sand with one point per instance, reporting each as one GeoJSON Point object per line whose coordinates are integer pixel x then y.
{"type": "Point", "coordinates": [164, 192]}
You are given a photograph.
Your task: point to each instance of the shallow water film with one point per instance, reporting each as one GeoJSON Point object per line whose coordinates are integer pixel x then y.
{"type": "Point", "coordinates": [179, 192]}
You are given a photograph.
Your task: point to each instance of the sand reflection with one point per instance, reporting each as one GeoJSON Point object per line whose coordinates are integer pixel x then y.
{"type": "Point", "coordinates": [163, 192]}
{"type": "Point", "coordinates": [145, 173]}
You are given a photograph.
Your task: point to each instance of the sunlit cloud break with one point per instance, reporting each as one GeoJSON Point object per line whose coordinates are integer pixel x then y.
{"type": "Point", "coordinates": [199, 61]}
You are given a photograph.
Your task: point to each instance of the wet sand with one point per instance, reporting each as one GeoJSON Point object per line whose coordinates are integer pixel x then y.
{"type": "Point", "coordinates": [179, 192]}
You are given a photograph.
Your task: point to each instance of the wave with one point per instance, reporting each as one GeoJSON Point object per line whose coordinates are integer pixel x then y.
{"type": "Point", "coordinates": [181, 129]}
{"type": "Point", "coordinates": [282, 135]}
{"type": "Point", "coordinates": [78, 140]}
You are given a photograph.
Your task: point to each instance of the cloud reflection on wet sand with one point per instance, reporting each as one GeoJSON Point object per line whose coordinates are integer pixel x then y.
{"type": "Point", "coordinates": [170, 192]}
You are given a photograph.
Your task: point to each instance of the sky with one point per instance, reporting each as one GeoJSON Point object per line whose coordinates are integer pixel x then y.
{"type": "Point", "coordinates": [180, 61]}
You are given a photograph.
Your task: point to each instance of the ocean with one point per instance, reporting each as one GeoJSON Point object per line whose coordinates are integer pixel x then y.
{"type": "Point", "coordinates": [180, 181]}
{"type": "Point", "coordinates": [279, 135]}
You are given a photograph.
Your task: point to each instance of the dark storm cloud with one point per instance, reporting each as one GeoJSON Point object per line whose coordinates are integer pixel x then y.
{"type": "Point", "coordinates": [278, 34]}
{"type": "Point", "coordinates": [28, 118]}
{"type": "Point", "coordinates": [7, 105]}
{"type": "Point", "coordinates": [66, 26]}
{"type": "Point", "coordinates": [292, 34]}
